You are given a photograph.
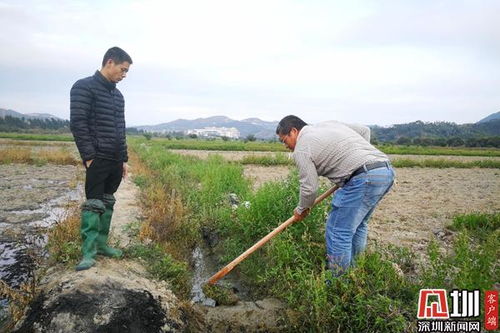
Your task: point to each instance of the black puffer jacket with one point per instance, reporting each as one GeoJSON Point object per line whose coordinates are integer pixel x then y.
{"type": "Point", "coordinates": [97, 119]}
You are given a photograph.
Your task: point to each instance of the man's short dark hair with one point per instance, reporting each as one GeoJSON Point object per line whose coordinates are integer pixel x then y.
{"type": "Point", "coordinates": [286, 124]}
{"type": "Point", "coordinates": [117, 55]}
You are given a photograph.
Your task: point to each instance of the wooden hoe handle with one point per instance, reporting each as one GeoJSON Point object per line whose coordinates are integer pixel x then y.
{"type": "Point", "coordinates": [229, 267]}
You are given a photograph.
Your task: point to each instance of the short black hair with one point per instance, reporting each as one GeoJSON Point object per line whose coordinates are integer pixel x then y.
{"type": "Point", "coordinates": [117, 55]}
{"type": "Point", "coordinates": [286, 124]}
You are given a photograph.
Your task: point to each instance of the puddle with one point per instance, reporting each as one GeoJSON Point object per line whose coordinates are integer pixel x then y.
{"type": "Point", "coordinates": [15, 263]}
{"type": "Point", "coordinates": [53, 210]}
{"type": "Point", "coordinates": [205, 265]}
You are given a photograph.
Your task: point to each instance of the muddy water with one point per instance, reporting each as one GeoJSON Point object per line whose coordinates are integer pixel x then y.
{"type": "Point", "coordinates": [247, 315]}
{"type": "Point", "coordinates": [32, 199]}
{"type": "Point", "coordinates": [205, 265]}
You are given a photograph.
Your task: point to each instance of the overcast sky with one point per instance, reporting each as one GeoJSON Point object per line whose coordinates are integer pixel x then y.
{"type": "Point", "coordinates": [370, 62]}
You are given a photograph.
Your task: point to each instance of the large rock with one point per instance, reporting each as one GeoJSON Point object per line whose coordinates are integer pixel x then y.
{"type": "Point", "coordinates": [115, 296]}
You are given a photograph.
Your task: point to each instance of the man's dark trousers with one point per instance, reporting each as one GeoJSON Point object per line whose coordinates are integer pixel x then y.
{"type": "Point", "coordinates": [103, 177]}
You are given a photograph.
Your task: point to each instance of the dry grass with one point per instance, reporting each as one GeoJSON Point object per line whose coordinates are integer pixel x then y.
{"type": "Point", "coordinates": [19, 299]}
{"type": "Point", "coordinates": [165, 216]}
{"type": "Point", "coordinates": [64, 237]}
{"type": "Point", "coordinates": [13, 155]}
{"type": "Point", "coordinates": [39, 157]}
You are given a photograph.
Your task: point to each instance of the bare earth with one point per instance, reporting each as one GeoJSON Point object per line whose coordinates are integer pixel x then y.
{"type": "Point", "coordinates": [424, 201]}
{"type": "Point", "coordinates": [127, 211]}
{"type": "Point", "coordinates": [262, 174]}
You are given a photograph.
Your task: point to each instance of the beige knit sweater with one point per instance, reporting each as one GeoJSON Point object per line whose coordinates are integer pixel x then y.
{"type": "Point", "coordinates": [333, 150]}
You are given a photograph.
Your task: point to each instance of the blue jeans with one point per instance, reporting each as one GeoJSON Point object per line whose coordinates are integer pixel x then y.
{"type": "Point", "coordinates": [347, 223]}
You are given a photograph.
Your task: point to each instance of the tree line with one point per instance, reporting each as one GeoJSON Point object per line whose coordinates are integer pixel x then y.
{"type": "Point", "coordinates": [444, 134]}
{"type": "Point", "coordinates": [34, 125]}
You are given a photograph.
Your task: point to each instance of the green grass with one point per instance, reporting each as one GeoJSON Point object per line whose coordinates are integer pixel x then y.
{"type": "Point", "coordinates": [420, 150]}
{"type": "Point", "coordinates": [162, 266]}
{"type": "Point", "coordinates": [37, 137]}
{"type": "Point", "coordinates": [480, 225]}
{"type": "Point", "coordinates": [276, 159]}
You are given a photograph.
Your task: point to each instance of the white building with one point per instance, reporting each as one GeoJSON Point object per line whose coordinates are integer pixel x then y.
{"type": "Point", "coordinates": [210, 132]}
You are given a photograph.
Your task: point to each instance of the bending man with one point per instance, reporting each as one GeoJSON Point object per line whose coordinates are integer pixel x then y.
{"type": "Point", "coordinates": [344, 155]}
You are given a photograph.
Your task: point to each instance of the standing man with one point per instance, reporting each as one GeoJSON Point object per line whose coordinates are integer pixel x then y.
{"type": "Point", "coordinates": [98, 126]}
{"type": "Point", "coordinates": [344, 155]}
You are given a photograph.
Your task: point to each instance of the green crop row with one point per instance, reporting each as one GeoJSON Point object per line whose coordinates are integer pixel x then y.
{"type": "Point", "coordinates": [421, 150]}
{"type": "Point", "coordinates": [37, 137]}
{"type": "Point", "coordinates": [440, 164]}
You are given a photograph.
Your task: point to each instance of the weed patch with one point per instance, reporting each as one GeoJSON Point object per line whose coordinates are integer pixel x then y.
{"type": "Point", "coordinates": [162, 266]}
{"type": "Point", "coordinates": [277, 159]}
{"type": "Point", "coordinates": [473, 261]}
{"type": "Point", "coordinates": [64, 238]}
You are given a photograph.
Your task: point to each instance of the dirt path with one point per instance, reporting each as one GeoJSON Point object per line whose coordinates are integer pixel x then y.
{"type": "Point", "coordinates": [127, 211]}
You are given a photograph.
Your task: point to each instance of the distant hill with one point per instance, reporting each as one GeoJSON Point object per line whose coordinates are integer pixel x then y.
{"type": "Point", "coordinates": [13, 121]}
{"type": "Point", "coordinates": [493, 116]}
{"type": "Point", "coordinates": [261, 129]}
{"type": "Point", "coordinates": [7, 112]}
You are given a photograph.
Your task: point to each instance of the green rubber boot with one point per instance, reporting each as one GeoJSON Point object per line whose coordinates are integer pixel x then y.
{"type": "Point", "coordinates": [104, 225]}
{"type": "Point", "coordinates": [91, 212]}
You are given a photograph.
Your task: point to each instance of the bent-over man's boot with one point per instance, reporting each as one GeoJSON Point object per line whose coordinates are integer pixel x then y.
{"type": "Point", "coordinates": [104, 226]}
